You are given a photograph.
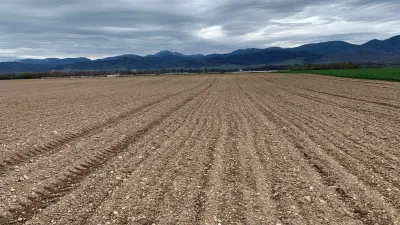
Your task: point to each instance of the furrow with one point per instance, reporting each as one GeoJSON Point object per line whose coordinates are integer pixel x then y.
{"type": "Point", "coordinates": [69, 179]}
{"type": "Point", "coordinates": [381, 177]}
{"type": "Point", "coordinates": [232, 208]}
{"type": "Point", "coordinates": [352, 140]}
{"type": "Point", "coordinates": [153, 181]}
{"type": "Point", "coordinates": [128, 164]}
{"type": "Point", "coordinates": [380, 110]}
{"type": "Point", "coordinates": [388, 106]}
{"type": "Point", "coordinates": [292, 185]}
{"type": "Point", "coordinates": [53, 146]}
{"type": "Point", "coordinates": [260, 209]}
{"type": "Point", "coordinates": [380, 212]}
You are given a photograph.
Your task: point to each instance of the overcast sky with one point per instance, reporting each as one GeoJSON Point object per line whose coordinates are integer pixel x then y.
{"type": "Point", "coordinates": [100, 28]}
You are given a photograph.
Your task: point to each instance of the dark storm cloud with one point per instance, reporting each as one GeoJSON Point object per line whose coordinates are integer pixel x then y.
{"type": "Point", "coordinates": [99, 28]}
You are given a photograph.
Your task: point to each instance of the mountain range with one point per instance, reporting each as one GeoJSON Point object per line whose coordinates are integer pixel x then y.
{"type": "Point", "coordinates": [324, 52]}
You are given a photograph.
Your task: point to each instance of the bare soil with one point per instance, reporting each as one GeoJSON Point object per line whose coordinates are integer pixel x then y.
{"type": "Point", "coordinates": [202, 149]}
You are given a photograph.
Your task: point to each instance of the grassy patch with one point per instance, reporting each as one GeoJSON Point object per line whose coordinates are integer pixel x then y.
{"type": "Point", "coordinates": [391, 74]}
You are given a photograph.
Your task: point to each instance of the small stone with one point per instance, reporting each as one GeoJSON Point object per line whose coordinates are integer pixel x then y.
{"type": "Point", "coordinates": [308, 198]}
{"type": "Point", "coordinates": [20, 219]}
{"type": "Point", "coordinates": [118, 178]}
{"type": "Point", "coordinates": [12, 189]}
{"type": "Point", "coordinates": [25, 177]}
{"type": "Point", "coordinates": [153, 148]}
{"type": "Point", "coordinates": [115, 213]}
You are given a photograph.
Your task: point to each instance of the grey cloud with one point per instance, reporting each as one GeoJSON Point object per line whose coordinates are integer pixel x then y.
{"type": "Point", "coordinates": [99, 28]}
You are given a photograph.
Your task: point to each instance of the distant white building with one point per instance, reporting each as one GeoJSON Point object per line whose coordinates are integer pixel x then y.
{"type": "Point", "coordinates": [114, 75]}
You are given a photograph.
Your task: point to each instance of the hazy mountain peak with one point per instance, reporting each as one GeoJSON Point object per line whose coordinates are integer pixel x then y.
{"type": "Point", "coordinates": [327, 47]}
{"type": "Point", "coordinates": [372, 42]}
{"type": "Point", "coordinates": [128, 56]}
{"type": "Point", "coordinates": [168, 53]}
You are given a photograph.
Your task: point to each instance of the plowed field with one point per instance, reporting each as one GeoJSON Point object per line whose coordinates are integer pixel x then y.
{"type": "Point", "coordinates": [201, 149]}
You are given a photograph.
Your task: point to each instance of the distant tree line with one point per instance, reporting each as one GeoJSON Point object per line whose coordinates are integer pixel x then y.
{"type": "Point", "coordinates": [266, 68]}
{"type": "Point", "coordinates": [344, 65]}
{"type": "Point", "coordinates": [306, 66]}
{"type": "Point", "coordinates": [104, 73]}
{"type": "Point", "coordinates": [331, 66]}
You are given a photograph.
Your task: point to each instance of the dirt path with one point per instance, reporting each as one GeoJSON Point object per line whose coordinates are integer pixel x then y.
{"type": "Point", "coordinates": [207, 149]}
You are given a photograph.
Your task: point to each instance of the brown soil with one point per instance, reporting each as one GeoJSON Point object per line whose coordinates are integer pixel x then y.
{"type": "Point", "coordinates": [207, 149]}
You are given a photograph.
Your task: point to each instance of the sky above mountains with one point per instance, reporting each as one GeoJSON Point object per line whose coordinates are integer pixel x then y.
{"type": "Point", "coordinates": [101, 28]}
